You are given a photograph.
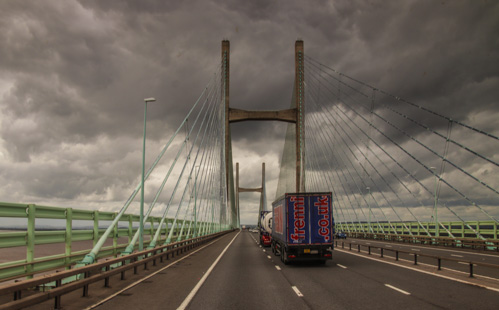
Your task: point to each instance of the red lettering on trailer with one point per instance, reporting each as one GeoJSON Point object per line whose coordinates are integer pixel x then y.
{"type": "Point", "coordinates": [323, 209]}
{"type": "Point", "coordinates": [298, 218]}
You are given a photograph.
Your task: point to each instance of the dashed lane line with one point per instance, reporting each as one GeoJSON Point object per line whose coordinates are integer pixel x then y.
{"type": "Point", "coordinates": [297, 291]}
{"type": "Point", "coordinates": [418, 270]}
{"type": "Point", "coordinates": [397, 289]}
{"type": "Point", "coordinates": [344, 267]}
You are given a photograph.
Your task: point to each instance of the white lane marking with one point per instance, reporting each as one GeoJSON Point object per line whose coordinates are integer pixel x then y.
{"type": "Point", "coordinates": [344, 267]}
{"type": "Point", "coordinates": [416, 250]}
{"type": "Point", "coordinates": [463, 263]}
{"type": "Point", "coordinates": [145, 278]}
{"type": "Point", "coordinates": [198, 286]}
{"type": "Point", "coordinates": [397, 289]}
{"type": "Point", "coordinates": [418, 270]}
{"type": "Point", "coordinates": [297, 291]}
{"type": "Point", "coordinates": [388, 246]}
{"type": "Point", "coordinates": [268, 256]}
{"type": "Point", "coordinates": [436, 249]}
{"type": "Point", "coordinates": [368, 243]}
{"type": "Point", "coordinates": [456, 255]}
{"type": "Point", "coordinates": [277, 267]}
{"type": "Point", "coordinates": [264, 250]}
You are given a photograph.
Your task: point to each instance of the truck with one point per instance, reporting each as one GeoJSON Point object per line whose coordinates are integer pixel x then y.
{"type": "Point", "coordinates": [265, 228]}
{"type": "Point", "coordinates": [303, 227]}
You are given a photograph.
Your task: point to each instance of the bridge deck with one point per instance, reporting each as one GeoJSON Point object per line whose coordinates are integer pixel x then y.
{"type": "Point", "coordinates": [250, 277]}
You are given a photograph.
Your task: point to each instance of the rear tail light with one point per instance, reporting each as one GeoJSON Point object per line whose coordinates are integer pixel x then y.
{"type": "Point", "coordinates": [328, 255]}
{"type": "Point", "coordinates": [291, 256]}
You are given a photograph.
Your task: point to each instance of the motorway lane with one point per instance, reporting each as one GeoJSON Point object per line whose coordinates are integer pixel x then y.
{"type": "Point", "coordinates": [245, 278]}
{"type": "Point", "coordinates": [459, 254]}
{"type": "Point", "coordinates": [169, 288]}
{"type": "Point", "coordinates": [454, 253]}
{"type": "Point", "coordinates": [363, 283]}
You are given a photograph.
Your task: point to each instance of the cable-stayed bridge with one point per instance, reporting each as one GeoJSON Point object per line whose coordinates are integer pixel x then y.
{"type": "Point", "coordinates": [398, 171]}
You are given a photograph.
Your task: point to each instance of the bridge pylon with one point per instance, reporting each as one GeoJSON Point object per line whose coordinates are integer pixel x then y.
{"type": "Point", "coordinates": [260, 190]}
{"type": "Point", "coordinates": [293, 115]}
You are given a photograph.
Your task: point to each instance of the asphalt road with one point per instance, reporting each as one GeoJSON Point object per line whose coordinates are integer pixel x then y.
{"type": "Point", "coordinates": [239, 274]}
{"type": "Point", "coordinates": [246, 278]}
{"type": "Point", "coordinates": [458, 259]}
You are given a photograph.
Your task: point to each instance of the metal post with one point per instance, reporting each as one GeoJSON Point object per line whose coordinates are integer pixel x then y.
{"type": "Point", "coordinates": [96, 227]}
{"type": "Point", "coordinates": [435, 205]}
{"type": "Point", "coordinates": [237, 190]}
{"type": "Point", "coordinates": [30, 244]}
{"type": "Point", "coordinates": [141, 223]}
{"type": "Point", "coordinates": [68, 237]}
{"type": "Point", "coordinates": [195, 206]}
{"type": "Point", "coordinates": [369, 205]}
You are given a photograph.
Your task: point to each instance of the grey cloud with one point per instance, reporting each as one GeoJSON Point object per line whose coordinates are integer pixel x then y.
{"type": "Point", "coordinates": [76, 73]}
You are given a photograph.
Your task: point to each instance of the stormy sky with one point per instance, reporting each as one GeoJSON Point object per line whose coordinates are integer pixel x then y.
{"type": "Point", "coordinates": [73, 76]}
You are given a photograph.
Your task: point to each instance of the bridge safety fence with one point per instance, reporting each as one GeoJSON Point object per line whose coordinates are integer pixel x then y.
{"type": "Point", "coordinates": [53, 286]}
{"type": "Point", "coordinates": [73, 238]}
{"type": "Point", "coordinates": [416, 255]}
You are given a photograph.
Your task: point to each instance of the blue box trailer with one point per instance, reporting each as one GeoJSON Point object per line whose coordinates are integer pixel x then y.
{"type": "Point", "coordinates": [303, 227]}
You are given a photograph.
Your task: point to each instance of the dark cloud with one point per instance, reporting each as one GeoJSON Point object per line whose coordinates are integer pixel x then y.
{"type": "Point", "coordinates": [73, 76]}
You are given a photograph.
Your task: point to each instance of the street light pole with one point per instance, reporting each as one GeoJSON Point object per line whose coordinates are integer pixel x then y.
{"type": "Point", "coordinates": [141, 224]}
{"type": "Point", "coordinates": [369, 205]}
{"type": "Point", "coordinates": [195, 201]}
{"type": "Point", "coordinates": [437, 228]}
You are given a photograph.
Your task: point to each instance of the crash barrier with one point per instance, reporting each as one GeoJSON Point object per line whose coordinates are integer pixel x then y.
{"type": "Point", "coordinates": [471, 243]}
{"type": "Point", "coordinates": [461, 229]}
{"type": "Point", "coordinates": [74, 226]}
{"type": "Point", "coordinates": [438, 259]}
{"type": "Point", "coordinates": [93, 273]}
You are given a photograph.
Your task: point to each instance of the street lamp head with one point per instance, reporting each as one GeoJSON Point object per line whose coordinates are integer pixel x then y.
{"type": "Point", "coordinates": [433, 168]}
{"type": "Point", "coordinates": [150, 99]}
{"type": "Point", "coordinates": [368, 188]}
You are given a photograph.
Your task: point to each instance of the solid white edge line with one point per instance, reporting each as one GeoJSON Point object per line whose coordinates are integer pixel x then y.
{"type": "Point", "coordinates": [445, 268]}
{"type": "Point", "coordinates": [434, 249]}
{"type": "Point", "coordinates": [422, 271]}
{"type": "Point", "coordinates": [145, 278]}
{"type": "Point", "coordinates": [344, 267]}
{"type": "Point", "coordinates": [297, 291]}
{"type": "Point", "coordinates": [397, 289]}
{"type": "Point", "coordinates": [191, 295]}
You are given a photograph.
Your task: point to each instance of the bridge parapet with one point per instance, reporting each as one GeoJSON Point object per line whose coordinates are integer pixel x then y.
{"type": "Point", "coordinates": [82, 228]}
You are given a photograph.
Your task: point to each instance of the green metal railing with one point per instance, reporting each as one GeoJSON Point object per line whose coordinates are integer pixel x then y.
{"type": "Point", "coordinates": [487, 229]}
{"type": "Point", "coordinates": [32, 236]}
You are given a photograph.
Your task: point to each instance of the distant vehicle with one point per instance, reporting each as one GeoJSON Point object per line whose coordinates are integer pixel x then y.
{"type": "Point", "coordinates": [302, 227]}
{"type": "Point", "coordinates": [265, 228]}
{"type": "Point", "coordinates": [243, 227]}
{"type": "Point", "coordinates": [341, 235]}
